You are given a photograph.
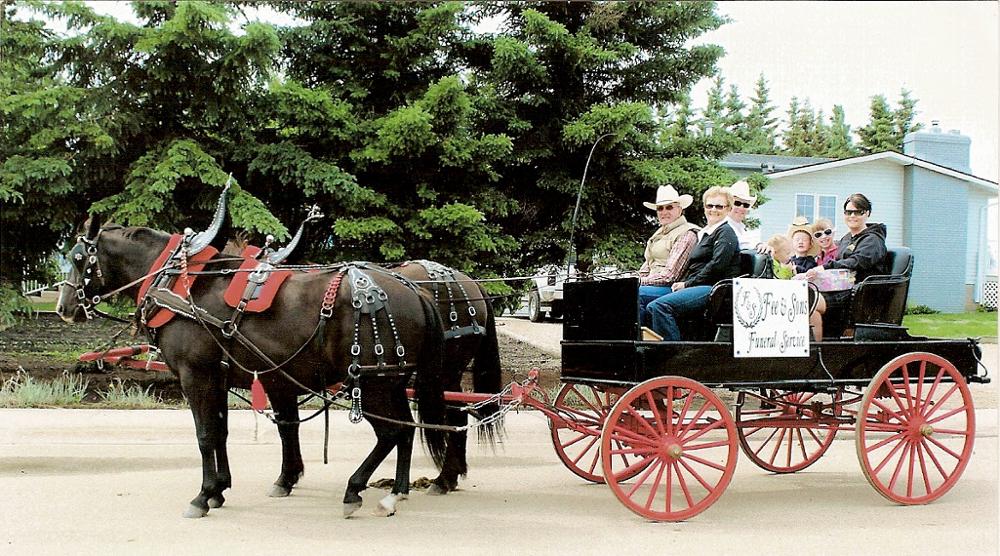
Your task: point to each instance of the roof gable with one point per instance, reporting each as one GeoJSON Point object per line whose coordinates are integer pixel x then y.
{"type": "Point", "coordinates": [892, 156]}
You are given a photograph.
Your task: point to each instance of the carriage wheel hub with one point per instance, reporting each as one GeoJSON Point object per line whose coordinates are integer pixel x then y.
{"type": "Point", "coordinates": [926, 430]}
{"type": "Point", "coordinates": [673, 450]}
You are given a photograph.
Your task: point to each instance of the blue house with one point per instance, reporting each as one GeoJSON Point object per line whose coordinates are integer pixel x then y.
{"type": "Point", "coordinates": [926, 197]}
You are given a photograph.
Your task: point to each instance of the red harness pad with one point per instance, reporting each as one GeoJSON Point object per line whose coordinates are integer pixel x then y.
{"type": "Point", "coordinates": [195, 264]}
{"type": "Point", "coordinates": [266, 293]}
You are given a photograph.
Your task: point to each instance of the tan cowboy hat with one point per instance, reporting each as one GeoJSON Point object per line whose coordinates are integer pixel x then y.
{"type": "Point", "coordinates": [665, 195]}
{"type": "Point", "coordinates": [801, 224]}
{"type": "Point", "coordinates": [741, 191]}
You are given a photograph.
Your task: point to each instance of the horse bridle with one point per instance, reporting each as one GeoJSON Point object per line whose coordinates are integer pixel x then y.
{"type": "Point", "coordinates": [84, 257]}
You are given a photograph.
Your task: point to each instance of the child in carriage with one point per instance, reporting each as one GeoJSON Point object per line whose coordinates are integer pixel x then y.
{"type": "Point", "coordinates": [784, 267]}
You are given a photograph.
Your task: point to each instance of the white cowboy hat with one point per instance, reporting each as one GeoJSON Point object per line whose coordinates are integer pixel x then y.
{"type": "Point", "coordinates": [741, 191]}
{"type": "Point", "coordinates": [665, 195]}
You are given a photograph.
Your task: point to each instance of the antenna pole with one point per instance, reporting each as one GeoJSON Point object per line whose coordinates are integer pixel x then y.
{"type": "Point", "coordinates": [576, 209]}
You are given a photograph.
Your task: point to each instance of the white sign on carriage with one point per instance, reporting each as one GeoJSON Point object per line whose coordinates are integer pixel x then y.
{"type": "Point", "coordinates": [770, 318]}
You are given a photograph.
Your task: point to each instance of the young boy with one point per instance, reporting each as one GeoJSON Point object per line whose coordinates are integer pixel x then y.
{"type": "Point", "coordinates": [805, 248]}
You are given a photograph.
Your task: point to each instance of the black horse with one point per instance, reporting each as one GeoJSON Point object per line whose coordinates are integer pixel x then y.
{"type": "Point", "coordinates": [471, 339]}
{"type": "Point", "coordinates": [312, 352]}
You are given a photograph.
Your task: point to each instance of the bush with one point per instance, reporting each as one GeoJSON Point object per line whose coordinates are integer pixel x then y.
{"type": "Point", "coordinates": [921, 310]}
{"type": "Point", "coordinates": [12, 304]}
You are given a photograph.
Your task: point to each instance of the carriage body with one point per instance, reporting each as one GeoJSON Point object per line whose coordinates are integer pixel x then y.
{"type": "Point", "coordinates": [644, 416]}
{"type": "Point", "coordinates": [602, 345]}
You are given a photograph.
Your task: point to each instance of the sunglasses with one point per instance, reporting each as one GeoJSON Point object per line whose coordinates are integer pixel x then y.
{"type": "Point", "coordinates": [826, 232]}
{"type": "Point", "coordinates": [715, 207]}
{"type": "Point", "coordinates": [854, 212]}
{"type": "Point", "coordinates": [741, 204]}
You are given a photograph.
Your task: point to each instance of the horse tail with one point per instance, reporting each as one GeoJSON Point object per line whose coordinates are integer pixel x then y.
{"type": "Point", "coordinates": [430, 381]}
{"type": "Point", "coordinates": [487, 376]}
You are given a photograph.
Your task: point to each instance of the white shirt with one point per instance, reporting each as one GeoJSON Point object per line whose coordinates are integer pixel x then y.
{"type": "Point", "coordinates": [742, 234]}
{"type": "Point", "coordinates": [708, 230]}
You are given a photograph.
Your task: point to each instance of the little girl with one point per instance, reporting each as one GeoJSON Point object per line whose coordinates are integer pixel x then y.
{"type": "Point", "coordinates": [781, 254]}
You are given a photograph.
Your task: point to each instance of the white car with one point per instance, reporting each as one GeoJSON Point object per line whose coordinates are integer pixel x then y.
{"type": "Point", "coordinates": [546, 293]}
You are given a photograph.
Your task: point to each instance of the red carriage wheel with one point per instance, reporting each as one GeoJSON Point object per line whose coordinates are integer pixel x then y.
{"type": "Point", "coordinates": [577, 441]}
{"type": "Point", "coordinates": [685, 442]}
{"type": "Point", "coordinates": [778, 429]}
{"type": "Point", "coordinates": [915, 428]}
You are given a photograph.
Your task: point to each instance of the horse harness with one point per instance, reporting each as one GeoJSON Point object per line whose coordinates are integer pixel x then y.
{"type": "Point", "coordinates": [444, 277]}
{"type": "Point", "coordinates": [367, 298]}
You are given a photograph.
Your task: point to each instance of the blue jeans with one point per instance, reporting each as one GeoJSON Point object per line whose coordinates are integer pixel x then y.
{"type": "Point", "coordinates": [646, 295]}
{"type": "Point", "coordinates": [665, 310]}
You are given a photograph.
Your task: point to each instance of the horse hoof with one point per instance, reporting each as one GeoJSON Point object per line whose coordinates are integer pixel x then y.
{"type": "Point", "coordinates": [216, 501]}
{"type": "Point", "coordinates": [278, 491]}
{"type": "Point", "coordinates": [382, 511]}
{"type": "Point", "coordinates": [350, 508]}
{"type": "Point", "coordinates": [436, 490]}
{"type": "Point", "coordinates": [194, 512]}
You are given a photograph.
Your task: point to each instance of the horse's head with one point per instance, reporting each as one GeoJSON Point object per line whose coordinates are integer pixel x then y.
{"type": "Point", "coordinates": [102, 262]}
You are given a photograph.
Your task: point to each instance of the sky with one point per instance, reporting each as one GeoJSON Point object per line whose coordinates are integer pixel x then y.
{"type": "Point", "coordinates": [944, 53]}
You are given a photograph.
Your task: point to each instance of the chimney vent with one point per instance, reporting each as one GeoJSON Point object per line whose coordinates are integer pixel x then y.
{"type": "Point", "coordinates": [935, 128]}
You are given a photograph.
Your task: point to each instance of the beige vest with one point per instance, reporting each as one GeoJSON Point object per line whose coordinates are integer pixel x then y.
{"type": "Point", "coordinates": [659, 245]}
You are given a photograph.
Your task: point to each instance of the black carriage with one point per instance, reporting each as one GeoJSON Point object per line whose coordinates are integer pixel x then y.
{"type": "Point", "coordinates": [642, 415]}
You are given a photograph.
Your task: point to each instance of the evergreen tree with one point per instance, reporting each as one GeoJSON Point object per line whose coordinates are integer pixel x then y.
{"type": "Point", "coordinates": [733, 119]}
{"type": "Point", "coordinates": [566, 74]}
{"type": "Point", "coordinates": [818, 141]}
{"type": "Point", "coordinates": [903, 117]}
{"type": "Point", "coordinates": [713, 115]}
{"type": "Point", "coordinates": [839, 143]}
{"type": "Point", "coordinates": [130, 121]}
{"type": "Point", "coordinates": [679, 125]}
{"type": "Point", "coordinates": [759, 130]}
{"type": "Point", "coordinates": [881, 132]}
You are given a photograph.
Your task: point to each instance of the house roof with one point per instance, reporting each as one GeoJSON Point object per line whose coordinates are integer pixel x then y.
{"type": "Point", "coordinates": [746, 161]}
{"type": "Point", "coordinates": [892, 156]}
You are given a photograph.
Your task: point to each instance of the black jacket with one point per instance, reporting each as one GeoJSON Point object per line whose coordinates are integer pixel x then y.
{"type": "Point", "coordinates": [864, 253]}
{"type": "Point", "coordinates": [716, 257]}
{"type": "Point", "coordinates": [803, 264]}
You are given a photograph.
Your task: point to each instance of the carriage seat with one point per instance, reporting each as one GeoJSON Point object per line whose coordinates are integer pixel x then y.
{"type": "Point", "coordinates": [720, 302]}
{"type": "Point", "coordinates": [882, 298]}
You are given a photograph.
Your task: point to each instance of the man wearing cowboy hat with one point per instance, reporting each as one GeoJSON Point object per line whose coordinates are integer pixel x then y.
{"type": "Point", "coordinates": [742, 202]}
{"type": "Point", "coordinates": [667, 251]}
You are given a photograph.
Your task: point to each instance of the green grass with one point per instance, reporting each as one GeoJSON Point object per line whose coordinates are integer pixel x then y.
{"type": "Point", "coordinates": [953, 325]}
{"type": "Point", "coordinates": [21, 390]}
{"type": "Point", "coordinates": [118, 396]}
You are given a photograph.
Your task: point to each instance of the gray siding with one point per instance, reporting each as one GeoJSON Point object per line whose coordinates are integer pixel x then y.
{"type": "Point", "coordinates": [939, 211]}
{"type": "Point", "coordinates": [881, 181]}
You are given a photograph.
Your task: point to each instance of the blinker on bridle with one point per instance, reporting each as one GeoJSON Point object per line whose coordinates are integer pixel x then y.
{"type": "Point", "coordinates": [84, 257]}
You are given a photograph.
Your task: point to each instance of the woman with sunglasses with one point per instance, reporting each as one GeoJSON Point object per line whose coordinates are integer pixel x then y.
{"type": "Point", "coordinates": [715, 257]}
{"type": "Point", "coordinates": [862, 249]}
{"type": "Point", "coordinates": [822, 232]}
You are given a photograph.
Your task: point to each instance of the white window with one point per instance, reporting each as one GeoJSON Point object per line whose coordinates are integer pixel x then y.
{"type": "Point", "coordinates": [814, 207]}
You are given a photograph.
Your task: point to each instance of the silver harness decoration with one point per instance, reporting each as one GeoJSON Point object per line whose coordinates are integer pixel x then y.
{"type": "Point", "coordinates": [368, 298]}
{"type": "Point", "coordinates": [444, 276]}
